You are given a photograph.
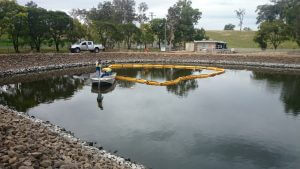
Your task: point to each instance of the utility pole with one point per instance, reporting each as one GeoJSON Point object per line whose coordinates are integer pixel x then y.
{"type": "Point", "coordinates": [152, 15]}
{"type": "Point", "coordinates": [165, 34]}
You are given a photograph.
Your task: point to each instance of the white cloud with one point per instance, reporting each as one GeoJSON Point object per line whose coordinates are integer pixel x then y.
{"type": "Point", "coordinates": [216, 13]}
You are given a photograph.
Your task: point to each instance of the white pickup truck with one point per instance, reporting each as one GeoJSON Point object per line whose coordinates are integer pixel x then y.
{"type": "Point", "coordinates": [86, 46]}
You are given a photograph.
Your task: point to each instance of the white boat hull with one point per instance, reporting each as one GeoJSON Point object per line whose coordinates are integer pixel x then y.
{"type": "Point", "coordinates": [106, 79]}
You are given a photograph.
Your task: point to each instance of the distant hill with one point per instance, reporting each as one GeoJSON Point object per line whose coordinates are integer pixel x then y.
{"type": "Point", "coordinates": [244, 39]}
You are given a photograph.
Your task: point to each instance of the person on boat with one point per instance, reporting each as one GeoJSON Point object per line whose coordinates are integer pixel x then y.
{"type": "Point", "coordinates": [98, 67]}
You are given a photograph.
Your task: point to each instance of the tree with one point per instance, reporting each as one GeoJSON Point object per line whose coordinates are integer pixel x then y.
{"type": "Point", "coordinates": [247, 29]}
{"type": "Point", "coordinates": [181, 20]}
{"type": "Point", "coordinates": [158, 29]}
{"type": "Point", "coordinates": [285, 10]}
{"type": "Point", "coordinates": [274, 32]}
{"type": "Point", "coordinates": [59, 24]}
{"type": "Point", "coordinates": [147, 35]}
{"type": "Point", "coordinates": [6, 11]}
{"type": "Point", "coordinates": [31, 4]}
{"type": "Point", "coordinates": [78, 31]}
{"type": "Point", "coordinates": [229, 27]}
{"type": "Point", "coordinates": [105, 12]}
{"type": "Point", "coordinates": [125, 10]}
{"type": "Point", "coordinates": [13, 21]}
{"type": "Point", "coordinates": [200, 34]}
{"type": "Point", "coordinates": [128, 31]}
{"type": "Point", "coordinates": [142, 17]}
{"type": "Point", "coordinates": [261, 38]}
{"type": "Point", "coordinates": [293, 21]}
{"type": "Point", "coordinates": [37, 25]}
{"type": "Point", "coordinates": [105, 31]}
{"type": "Point", "coordinates": [240, 13]}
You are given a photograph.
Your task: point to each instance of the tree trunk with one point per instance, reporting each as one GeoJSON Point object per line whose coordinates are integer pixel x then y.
{"type": "Point", "coordinates": [16, 44]}
{"type": "Point", "coordinates": [159, 41]}
{"type": "Point", "coordinates": [128, 44]}
{"type": "Point", "coordinates": [37, 45]}
{"type": "Point", "coordinates": [57, 46]}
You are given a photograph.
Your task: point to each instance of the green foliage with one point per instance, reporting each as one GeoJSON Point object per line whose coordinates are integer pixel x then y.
{"type": "Point", "coordinates": [158, 29]}
{"type": "Point", "coordinates": [78, 31]}
{"type": "Point", "coordinates": [181, 20]}
{"type": "Point", "coordinates": [5, 8]}
{"type": "Point", "coordinates": [125, 11]}
{"type": "Point", "coordinates": [287, 11]}
{"type": "Point", "coordinates": [38, 29]}
{"type": "Point", "coordinates": [59, 24]}
{"type": "Point", "coordinates": [200, 34]}
{"type": "Point", "coordinates": [129, 31]}
{"type": "Point", "coordinates": [106, 32]}
{"type": "Point", "coordinates": [229, 27]}
{"type": "Point", "coordinates": [13, 21]}
{"type": "Point", "coordinates": [273, 32]}
{"type": "Point", "coordinates": [261, 39]}
{"type": "Point", "coordinates": [147, 35]}
{"type": "Point", "coordinates": [293, 21]}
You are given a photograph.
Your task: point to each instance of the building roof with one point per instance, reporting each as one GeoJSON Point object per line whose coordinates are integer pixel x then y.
{"type": "Point", "coordinates": [209, 41]}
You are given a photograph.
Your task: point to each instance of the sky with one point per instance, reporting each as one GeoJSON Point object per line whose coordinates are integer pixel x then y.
{"type": "Point", "coordinates": [215, 13]}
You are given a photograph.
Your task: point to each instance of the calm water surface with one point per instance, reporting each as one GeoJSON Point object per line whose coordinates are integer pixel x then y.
{"type": "Point", "coordinates": [241, 119]}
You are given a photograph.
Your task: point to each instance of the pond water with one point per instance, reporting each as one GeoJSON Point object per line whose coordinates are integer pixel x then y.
{"type": "Point", "coordinates": [240, 119]}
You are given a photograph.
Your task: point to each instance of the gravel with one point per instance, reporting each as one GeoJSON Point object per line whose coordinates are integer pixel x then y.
{"type": "Point", "coordinates": [27, 143]}
{"type": "Point", "coordinates": [29, 63]}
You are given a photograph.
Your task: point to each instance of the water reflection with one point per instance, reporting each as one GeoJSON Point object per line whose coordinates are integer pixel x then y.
{"type": "Point", "coordinates": [289, 86]}
{"type": "Point", "coordinates": [182, 89]}
{"type": "Point", "coordinates": [227, 122]}
{"type": "Point", "coordinates": [23, 96]}
{"type": "Point", "coordinates": [100, 90]}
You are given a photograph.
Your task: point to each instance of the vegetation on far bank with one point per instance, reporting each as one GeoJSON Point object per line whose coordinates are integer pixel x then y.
{"type": "Point", "coordinates": [114, 24]}
{"type": "Point", "coordinates": [118, 24]}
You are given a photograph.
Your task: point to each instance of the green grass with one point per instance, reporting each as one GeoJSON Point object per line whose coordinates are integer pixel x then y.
{"type": "Point", "coordinates": [244, 39]}
{"type": "Point", "coordinates": [6, 46]}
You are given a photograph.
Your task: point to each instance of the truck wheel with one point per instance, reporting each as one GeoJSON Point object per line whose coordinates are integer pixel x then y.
{"type": "Point", "coordinates": [97, 50]}
{"type": "Point", "coordinates": [77, 50]}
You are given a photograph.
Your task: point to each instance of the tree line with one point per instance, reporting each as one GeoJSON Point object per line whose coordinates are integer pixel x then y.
{"type": "Point", "coordinates": [33, 25]}
{"type": "Point", "coordinates": [279, 22]}
{"type": "Point", "coordinates": [112, 23]}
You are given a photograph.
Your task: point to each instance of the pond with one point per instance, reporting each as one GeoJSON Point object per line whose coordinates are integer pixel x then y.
{"type": "Point", "coordinates": [240, 119]}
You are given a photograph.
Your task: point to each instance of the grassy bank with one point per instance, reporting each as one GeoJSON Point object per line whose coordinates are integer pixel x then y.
{"type": "Point", "coordinates": [244, 39]}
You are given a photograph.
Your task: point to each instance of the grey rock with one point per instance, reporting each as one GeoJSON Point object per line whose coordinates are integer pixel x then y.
{"type": "Point", "coordinates": [69, 166]}
{"type": "Point", "coordinates": [25, 167]}
{"type": "Point", "coordinates": [45, 163]}
{"type": "Point", "coordinates": [12, 160]}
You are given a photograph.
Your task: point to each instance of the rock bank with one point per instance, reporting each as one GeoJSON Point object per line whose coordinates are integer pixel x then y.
{"type": "Point", "coordinates": [28, 143]}
{"type": "Point", "coordinates": [27, 63]}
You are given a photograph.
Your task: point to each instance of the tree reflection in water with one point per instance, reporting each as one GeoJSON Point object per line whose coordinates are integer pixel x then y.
{"type": "Point", "coordinates": [290, 89]}
{"type": "Point", "coordinates": [182, 89]}
{"type": "Point", "coordinates": [23, 96]}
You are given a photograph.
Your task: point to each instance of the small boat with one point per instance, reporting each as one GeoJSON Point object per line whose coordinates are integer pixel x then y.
{"type": "Point", "coordinates": [109, 79]}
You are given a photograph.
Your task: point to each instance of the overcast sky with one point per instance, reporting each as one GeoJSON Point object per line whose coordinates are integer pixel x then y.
{"type": "Point", "coordinates": [215, 13]}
